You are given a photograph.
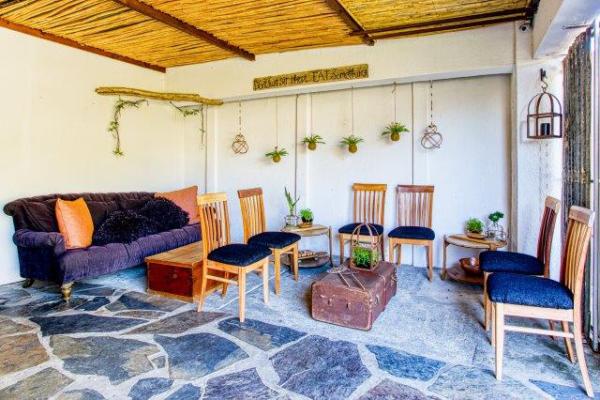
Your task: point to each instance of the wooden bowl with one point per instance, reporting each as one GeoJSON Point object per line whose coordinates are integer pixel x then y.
{"type": "Point", "coordinates": [470, 265]}
{"type": "Point", "coordinates": [475, 235]}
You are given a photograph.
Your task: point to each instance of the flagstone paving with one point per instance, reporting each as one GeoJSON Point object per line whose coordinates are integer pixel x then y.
{"type": "Point", "coordinates": [112, 341]}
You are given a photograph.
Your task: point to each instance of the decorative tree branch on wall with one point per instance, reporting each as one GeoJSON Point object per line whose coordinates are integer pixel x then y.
{"type": "Point", "coordinates": [114, 125]}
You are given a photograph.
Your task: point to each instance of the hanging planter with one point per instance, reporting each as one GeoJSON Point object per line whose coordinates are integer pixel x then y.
{"type": "Point", "coordinates": [312, 141]}
{"type": "Point", "coordinates": [352, 143]}
{"type": "Point", "coordinates": [277, 154]}
{"type": "Point", "coordinates": [394, 130]}
{"type": "Point", "coordinates": [432, 138]}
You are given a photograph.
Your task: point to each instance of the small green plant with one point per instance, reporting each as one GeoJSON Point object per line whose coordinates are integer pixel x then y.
{"type": "Point", "coordinates": [394, 129]}
{"type": "Point", "coordinates": [290, 201]}
{"type": "Point", "coordinates": [352, 142]}
{"type": "Point", "coordinates": [363, 257]}
{"type": "Point", "coordinates": [306, 214]}
{"type": "Point", "coordinates": [496, 216]}
{"type": "Point", "coordinates": [277, 154]}
{"type": "Point", "coordinates": [114, 125]}
{"type": "Point", "coordinates": [474, 225]}
{"type": "Point", "coordinates": [312, 141]}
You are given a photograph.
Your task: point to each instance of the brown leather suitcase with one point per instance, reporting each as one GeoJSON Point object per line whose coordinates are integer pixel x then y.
{"type": "Point", "coordinates": [354, 299]}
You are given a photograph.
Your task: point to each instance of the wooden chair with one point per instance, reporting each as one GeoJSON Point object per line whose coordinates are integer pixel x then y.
{"type": "Point", "coordinates": [227, 258]}
{"type": "Point", "coordinates": [519, 263]}
{"type": "Point", "coordinates": [414, 207]}
{"type": "Point", "coordinates": [253, 216]}
{"type": "Point", "coordinates": [536, 297]}
{"type": "Point", "coordinates": [369, 208]}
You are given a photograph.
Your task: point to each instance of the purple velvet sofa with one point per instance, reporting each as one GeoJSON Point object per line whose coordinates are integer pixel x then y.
{"type": "Point", "coordinates": [41, 247]}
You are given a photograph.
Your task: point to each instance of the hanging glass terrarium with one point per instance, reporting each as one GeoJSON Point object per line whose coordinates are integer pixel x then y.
{"type": "Point", "coordinates": [365, 252]}
{"type": "Point", "coordinates": [544, 114]}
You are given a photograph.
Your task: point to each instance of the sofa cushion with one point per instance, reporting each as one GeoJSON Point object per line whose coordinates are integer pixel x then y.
{"type": "Point", "coordinates": [375, 229]}
{"type": "Point", "coordinates": [412, 232]}
{"type": "Point", "coordinates": [165, 213]}
{"type": "Point", "coordinates": [74, 223]}
{"type": "Point", "coordinates": [99, 260]}
{"type": "Point", "coordinates": [100, 210]}
{"type": "Point", "coordinates": [124, 227]}
{"type": "Point", "coordinates": [186, 199]}
{"type": "Point", "coordinates": [274, 240]}
{"type": "Point", "coordinates": [240, 255]}
{"type": "Point", "coordinates": [525, 290]}
{"type": "Point", "coordinates": [508, 261]}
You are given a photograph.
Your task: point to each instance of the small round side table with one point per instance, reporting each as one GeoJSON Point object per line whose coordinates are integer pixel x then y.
{"type": "Point", "coordinates": [457, 273]}
{"type": "Point", "coordinates": [307, 258]}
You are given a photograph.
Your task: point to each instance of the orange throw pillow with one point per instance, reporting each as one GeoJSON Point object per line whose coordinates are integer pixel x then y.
{"type": "Point", "coordinates": [186, 200]}
{"type": "Point", "coordinates": [75, 223]}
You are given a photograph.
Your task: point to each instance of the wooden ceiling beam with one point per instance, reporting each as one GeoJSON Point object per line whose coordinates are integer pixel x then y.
{"type": "Point", "coordinates": [443, 28]}
{"type": "Point", "coordinates": [338, 8]}
{"type": "Point", "coordinates": [4, 23]}
{"type": "Point", "coordinates": [520, 12]}
{"type": "Point", "coordinates": [183, 26]}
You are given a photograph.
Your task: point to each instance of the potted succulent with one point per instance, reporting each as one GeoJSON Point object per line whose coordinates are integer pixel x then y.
{"type": "Point", "coordinates": [277, 154]}
{"type": "Point", "coordinates": [291, 219]}
{"type": "Point", "coordinates": [394, 130]}
{"type": "Point", "coordinates": [312, 141]}
{"type": "Point", "coordinates": [307, 216]}
{"type": "Point", "coordinates": [474, 228]}
{"type": "Point", "coordinates": [352, 142]}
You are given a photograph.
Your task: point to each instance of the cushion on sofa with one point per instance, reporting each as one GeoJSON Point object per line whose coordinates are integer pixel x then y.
{"type": "Point", "coordinates": [165, 213]}
{"type": "Point", "coordinates": [124, 227]}
{"type": "Point", "coordinates": [74, 223]}
{"type": "Point", "coordinates": [186, 199]}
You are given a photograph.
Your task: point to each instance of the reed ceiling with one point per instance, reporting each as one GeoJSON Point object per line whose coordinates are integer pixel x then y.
{"type": "Point", "coordinates": [166, 33]}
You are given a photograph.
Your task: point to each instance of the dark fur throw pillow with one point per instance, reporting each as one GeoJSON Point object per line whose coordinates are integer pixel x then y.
{"type": "Point", "coordinates": [124, 227]}
{"type": "Point", "coordinates": [166, 214]}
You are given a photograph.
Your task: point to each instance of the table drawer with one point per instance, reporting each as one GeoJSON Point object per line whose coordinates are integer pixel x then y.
{"type": "Point", "coordinates": [169, 279]}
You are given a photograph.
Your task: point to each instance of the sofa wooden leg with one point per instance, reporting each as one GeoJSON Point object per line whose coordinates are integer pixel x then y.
{"type": "Point", "coordinates": [28, 282]}
{"type": "Point", "coordinates": [66, 290]}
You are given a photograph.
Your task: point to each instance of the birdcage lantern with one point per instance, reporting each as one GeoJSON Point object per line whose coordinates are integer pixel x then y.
{"type": "Point", "coordinates": [544, 114]}
{"type": "Point", "coordinates": [364, 247]}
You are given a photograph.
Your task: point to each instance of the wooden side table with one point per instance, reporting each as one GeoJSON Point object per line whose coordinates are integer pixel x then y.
{"type": "Point", "coordinates": [307, 258]}
{"type": "Point", "coordinates": [457, 273]}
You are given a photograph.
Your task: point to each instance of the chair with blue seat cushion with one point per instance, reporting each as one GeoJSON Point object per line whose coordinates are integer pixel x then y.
{"type": "Point", "coordinates": [368, 208]}
{"type": "Point", "coordinates": [414, 208]}
{"type": "Point", "coordinates": [536, 297]}
{"type": "Point", "coordinates": [279, 243]}
{"type": "Point", "coordinates": [519, 263]}
{"type": "Point", "coordinates": [227, 259]}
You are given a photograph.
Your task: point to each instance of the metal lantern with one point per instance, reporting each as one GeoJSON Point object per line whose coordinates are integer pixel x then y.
{"type": "Point", "coordinates": [544, 114]}
{"type": "Point", "coordinates": [364, 254]}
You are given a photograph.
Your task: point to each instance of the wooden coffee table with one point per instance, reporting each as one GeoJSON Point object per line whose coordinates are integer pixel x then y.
{"type": "Point", "coordinates": [177, 273]}
{"type": "Point", "coordinates": [456, 272]}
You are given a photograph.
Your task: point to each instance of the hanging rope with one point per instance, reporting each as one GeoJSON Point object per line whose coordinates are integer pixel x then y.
{"type": "Point", "coordinates": [352, 110]}
{"type": "Point", "coordinates": [276, 122]}
{"type": "Point", "coordinates": [395, 98]}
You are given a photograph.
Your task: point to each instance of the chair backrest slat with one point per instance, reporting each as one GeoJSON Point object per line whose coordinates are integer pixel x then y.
{"type": "Point", "coordinates": [414, 205]}
{"type": "Point", "coordinates": [253, 211]}
{"type": "Point", "coordinates": [577, 241]}
{"type": "Point", "coordinates": [369, 202]}
{"type": "Point", "coordinates": [214, 221]}
{"type": "Point", "coordinates": [544, 247]}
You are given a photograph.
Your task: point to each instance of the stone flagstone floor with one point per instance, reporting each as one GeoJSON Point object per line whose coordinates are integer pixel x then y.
{"type": "Point", "coordinates": [112, 341]}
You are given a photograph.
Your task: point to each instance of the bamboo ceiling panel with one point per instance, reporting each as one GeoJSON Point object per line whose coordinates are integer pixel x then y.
{"type": "Point", "coordinates": [377, 14]}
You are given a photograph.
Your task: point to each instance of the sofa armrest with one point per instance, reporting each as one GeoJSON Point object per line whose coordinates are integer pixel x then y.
{"type": "Point", "coordinates": [31, 239]}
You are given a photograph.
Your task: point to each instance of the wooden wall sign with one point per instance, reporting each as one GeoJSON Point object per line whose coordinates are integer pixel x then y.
{"type": "Point", "coordinates": [346, 73]}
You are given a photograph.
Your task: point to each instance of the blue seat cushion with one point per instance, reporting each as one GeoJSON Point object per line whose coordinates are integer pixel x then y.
{"type": "Point", "coordinates": [375, 229]}
{"type": "Point", "coordinates": [240, 255]}
{"type": "Point", "coordinates": [412, 232]}
{"type": "Point", "coordinates": [525, 290]}
{"type": "Point", "coordinates": [274, 240]}
{"type": "Point", "coordinates": [508, 261]}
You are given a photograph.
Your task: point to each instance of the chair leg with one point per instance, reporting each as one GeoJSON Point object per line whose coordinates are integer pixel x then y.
{"type": "Point", "coordinates": [391, 254]}
{"type": "Point", "coordinates": [265, 278]}
{"type": "Point", "coordinates": [295, 261]}
{"type": "Point", "coordinates": [429, 248]}
{"type": "Point", "coordinates": [203, 288]}
{"type": "Point", "coordinates": [568, 345]}
{"type": "Point", "coordinates": [242, 293]}
{"type": "Point", "coordinates": [551, 325]}
{"type": "Point", "coordinates": [486, 304]}
{"type": "Point", "coordinates": [499, 334]}
{"type": "Point", "coordinates": [581, 356]}
{"type": "Point", "coordinates": [382, 248]}
{"type": "Point", "coordinates": [225, 285]}
{"type": "Point", "coordinates": [341, 249]}
{"type": "Point", "coordinates": [399, 253]}
{"type": "Point", "coordinates": [277, 267]}
{"type": "Point", "coordinates": [493, 323]}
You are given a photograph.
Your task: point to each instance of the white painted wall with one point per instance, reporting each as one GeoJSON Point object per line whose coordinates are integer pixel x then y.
{"type": "Point", "coordinates": [53, 134]}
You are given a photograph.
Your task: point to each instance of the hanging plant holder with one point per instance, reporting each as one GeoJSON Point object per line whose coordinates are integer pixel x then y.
{"type": "Point", "coordinates": [432, 138]}
{"type": "Point", "coordinates": [544, 114]}
{"type": "Point", "coordinates": [277, 154]}
{"type": "Point", "coordinates": [240, 145]}
{"type": "Point", "coordinates": [312, 141]}
{"type": "Point", "coordinates": [365, 254]}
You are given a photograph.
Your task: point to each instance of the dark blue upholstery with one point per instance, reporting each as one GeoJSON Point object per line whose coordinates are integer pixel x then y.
{"type": "Point", "coordinates": [240, 255]}
{"type": "Point", "coordinates": [507, 261]}
{"type": "Point", "coordinates": [274, 240]}
{"type": "Point", "coordinates": [525, 290]}
{"type": "Point", "coordinates": [375, 229]}
{"type": "Point", "coordinates": [412, 232]}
